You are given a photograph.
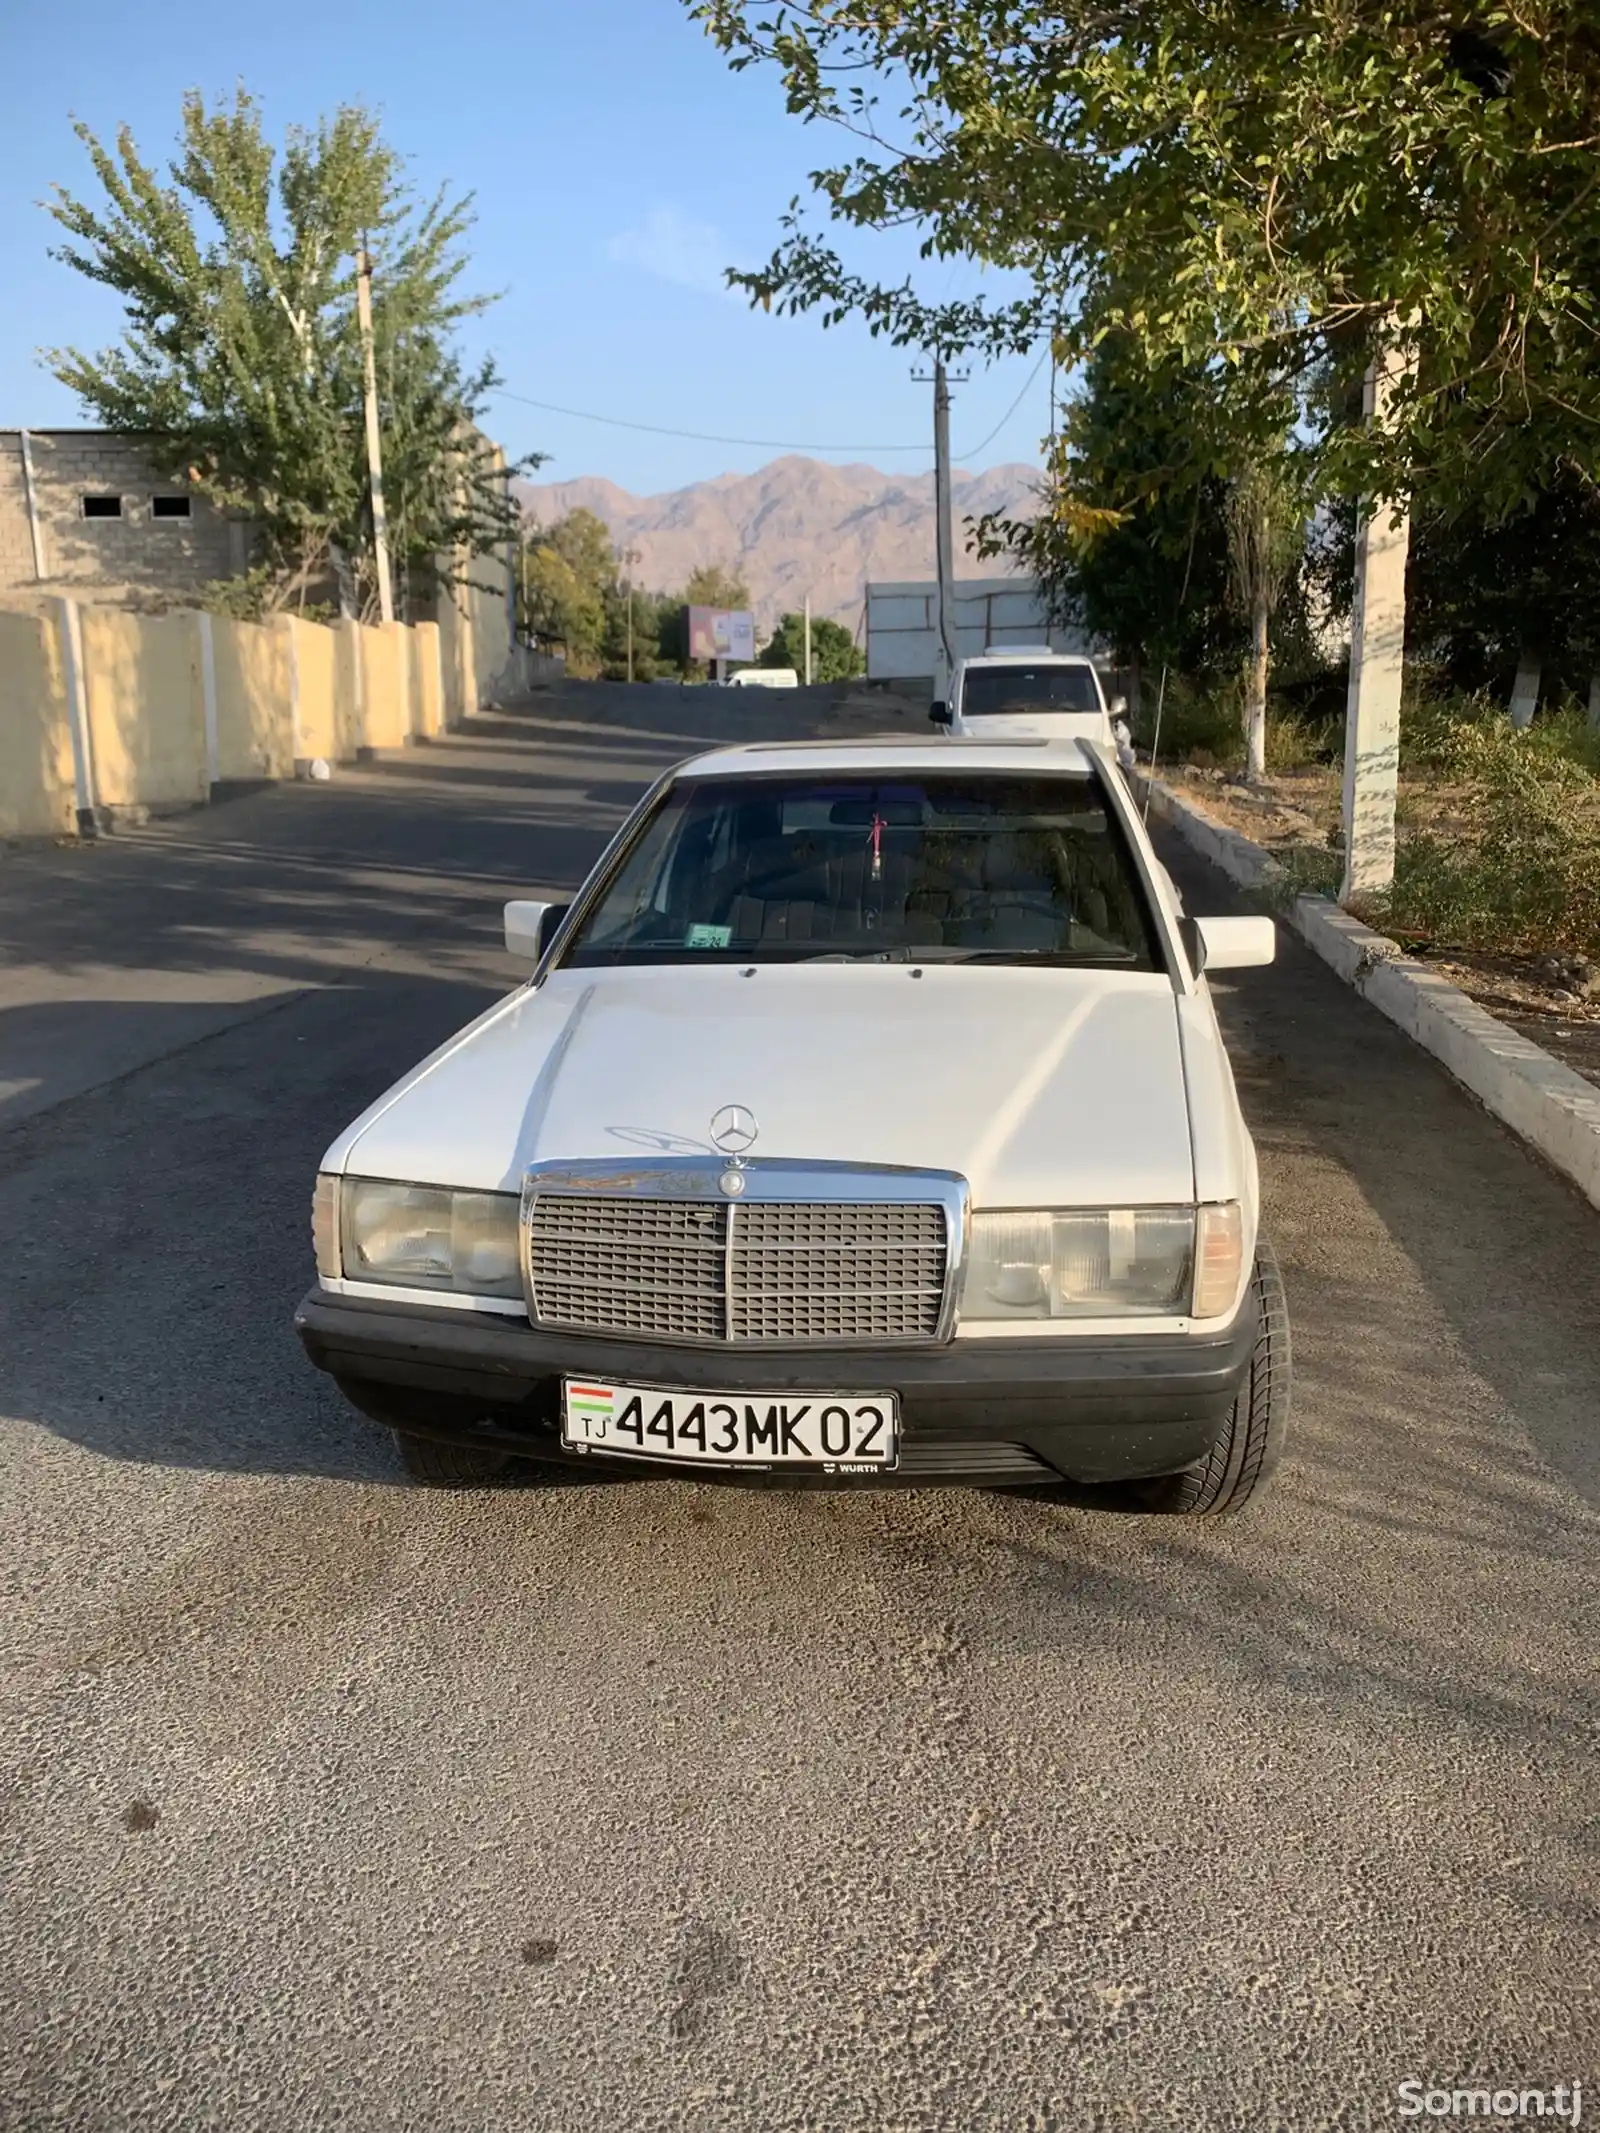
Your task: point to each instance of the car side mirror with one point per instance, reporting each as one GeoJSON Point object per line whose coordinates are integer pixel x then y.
{"type": "Point", "coordinates": [1233, 943]}
{"type": "Point", "coordinates": [1119, 707]}
{"type": "Point", "coordinates": [940, 714]}
{"type": "Point", "coordinates": [531, 927]}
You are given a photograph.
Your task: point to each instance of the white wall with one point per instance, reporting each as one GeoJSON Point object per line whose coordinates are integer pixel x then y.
{"type": "Point", "coordinates": [903, 624]}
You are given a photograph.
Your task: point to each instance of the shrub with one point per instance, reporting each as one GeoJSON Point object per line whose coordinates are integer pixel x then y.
{"type": "Point", "coordinates": [1198, 725]}
{"type": "Point", "coordinates": [1521, 872]}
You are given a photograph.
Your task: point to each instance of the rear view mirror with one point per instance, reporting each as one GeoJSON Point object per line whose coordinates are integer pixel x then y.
{"type": "Point", "coordinates": [531, 927]}
{"type": "Point", "coordinates": [1119, 707]}
{"type": "Point", "coordinates": [1235, 943]}
{"type": "Point", "coordinates": [940, 714]}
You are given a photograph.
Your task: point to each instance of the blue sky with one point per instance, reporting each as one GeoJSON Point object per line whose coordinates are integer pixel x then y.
{"type": "Point", "coordinates": [618, 166]}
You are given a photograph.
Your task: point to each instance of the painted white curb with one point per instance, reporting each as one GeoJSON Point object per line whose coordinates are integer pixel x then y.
{"type": "Point", "coordinates": [1550, 1106]}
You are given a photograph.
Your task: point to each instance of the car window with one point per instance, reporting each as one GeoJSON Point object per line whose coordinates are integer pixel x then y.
{"type": "Point", "coordinates": [970, 866]}
{"type": "Point", "coordinates": [987, 691]}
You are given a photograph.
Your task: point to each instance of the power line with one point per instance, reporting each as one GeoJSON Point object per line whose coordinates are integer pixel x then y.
{"type": "Point", "coordinates": [1010, 411]}
{"type": "Point", "coordinates": [656, 429]}
{"type": "Point", "coordinates": [764, 444]}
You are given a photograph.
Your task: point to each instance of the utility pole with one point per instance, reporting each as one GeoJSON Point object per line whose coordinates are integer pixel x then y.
{"type": "Point", "coordinates": [380, 529]}
{"type": "Point", "coordinates": [944, 533]}
{"type": "Point", "coordinates": [630, 556]}
{"type": "Point", "coordinates": [808, 640]}
{"type": "Point", "coordinates": [1377, 646]}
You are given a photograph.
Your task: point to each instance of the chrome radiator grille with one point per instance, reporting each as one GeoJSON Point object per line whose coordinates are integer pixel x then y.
{"type": "Point", "coordinates": [769, 1270]}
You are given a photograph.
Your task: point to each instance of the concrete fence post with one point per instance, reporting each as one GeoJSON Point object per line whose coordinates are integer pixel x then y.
{"type": "Point", "coordinates": [406, 682]}
{"type": "Point", "coordinates": [298, 761]}
{"type": "Point", "coordinates": [208, 695]}
{"type": "Point", "coordinates": [70, 624]}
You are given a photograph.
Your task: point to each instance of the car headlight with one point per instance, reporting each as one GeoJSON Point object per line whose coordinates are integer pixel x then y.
{"type": "Point", "coordinates": [418, 1236]}
{"type": "Point", "coordinates": [1103, 1262]}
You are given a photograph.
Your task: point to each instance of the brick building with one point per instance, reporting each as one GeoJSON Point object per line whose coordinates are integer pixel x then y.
{"type": "Point", "coordinates": [84, 512]}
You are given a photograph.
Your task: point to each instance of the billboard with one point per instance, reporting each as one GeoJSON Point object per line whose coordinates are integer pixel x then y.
{"type": "Point", "coordinates": [721, 633]}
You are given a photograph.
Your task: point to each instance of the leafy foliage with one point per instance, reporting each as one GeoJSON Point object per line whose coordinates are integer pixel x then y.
{"type": "Point", "coordinates": [835, 655]}
{"type": "Point", "coordinates": [1479, 593]}
{"type": "Point", "coordinates": [713, 586]}
{"type": "Point", "coordinates": [241, 361]}
{"type": "Point", "coordinates": [1265, 517]}
{"type": "Point", "coordinates": [1521, 871]}
{"type": "Point", "coordinates": [1129, 542]}
{"type": "Point", "coordinates": [1262, 193]}
{"type": "Point", "coordinates": [566, 573]}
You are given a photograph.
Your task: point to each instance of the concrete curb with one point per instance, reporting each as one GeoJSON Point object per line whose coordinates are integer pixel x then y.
{"type": "Point", "coordinates": [1546, 1103]}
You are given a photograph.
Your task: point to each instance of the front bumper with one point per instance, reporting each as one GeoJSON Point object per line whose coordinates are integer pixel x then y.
{"type": "Point", "coordinates": [1012, 1410]}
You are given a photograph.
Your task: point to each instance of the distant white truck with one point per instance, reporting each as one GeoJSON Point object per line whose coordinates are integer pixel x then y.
{"type": "Point", "coordinates": [763, 678]}
{"type": "Point", "coordinates": [1029, 692]}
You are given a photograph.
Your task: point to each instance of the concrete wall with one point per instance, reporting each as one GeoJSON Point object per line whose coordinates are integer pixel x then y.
{"type": "Point", "coordinates": [317, 671]}
{"type": "Point", "coordinates": [428, 673]}
{"type": "Point", "coordinates": [36, 786]}
{"type": "Point", "coordinates": [136, 560]}
{"type": "Point", "coordinates": [142, 696]}
{"type": "Point", "coordinates": [386, 719]}
{"type": "Point", "coordinates": [254, 739]}
{"type": "Point", "coordinates": [162, 722]}
{"type": "Point", "coordinates": [903, 624]}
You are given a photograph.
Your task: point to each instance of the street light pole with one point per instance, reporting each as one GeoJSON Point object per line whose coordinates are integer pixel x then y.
{"type": "Point", "coordinates": [808, 640]}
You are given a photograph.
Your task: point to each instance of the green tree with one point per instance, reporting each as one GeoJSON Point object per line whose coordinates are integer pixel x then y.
{"type": "Point", "coordinates": [1266, 522]}
{"type": "Point", "coordinates": [568, 578]}
{"type": "Point", "coordinates": [1257, 191]}
{"type": "Point", "coordinates": [835, 655]}
{"type": "Point", "coordinates": [645, 625]}
{"type": "Point", "coordinates": [1130, 539]}
{"type": "Point", "coordinates": [241, 359]}
{"type": "Point", "coordinates": [714, 586]}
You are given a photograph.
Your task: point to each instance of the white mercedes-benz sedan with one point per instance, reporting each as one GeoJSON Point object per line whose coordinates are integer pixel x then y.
{"type": "Point", "coordinates": [865, 1120]}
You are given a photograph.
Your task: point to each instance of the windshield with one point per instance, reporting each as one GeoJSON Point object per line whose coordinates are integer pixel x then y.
{"type": "Point", "coordinates": [968, 866]}
{"type": "Point", "coordinates": [986, 691]}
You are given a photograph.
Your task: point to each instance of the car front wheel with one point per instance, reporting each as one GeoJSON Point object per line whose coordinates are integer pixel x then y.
{"type": "Point", "coordinates": [1251, 1443]}
{"type": "Point", "coordinates": [451, 1466]}
{"type": "Point", "coordinates": [441, 1466]}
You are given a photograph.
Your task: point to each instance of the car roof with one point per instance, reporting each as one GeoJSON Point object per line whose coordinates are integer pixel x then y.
{"type": "Point", "coordinates": [1059, 758]}
{"type": "Point", "coordinates": [1036, 655]}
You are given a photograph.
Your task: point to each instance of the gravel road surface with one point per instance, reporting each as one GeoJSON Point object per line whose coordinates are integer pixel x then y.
{"type": "Point", "coordinates": [329, 1802]}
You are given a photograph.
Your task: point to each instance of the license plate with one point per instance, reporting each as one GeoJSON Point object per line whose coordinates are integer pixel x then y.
{"type": "Point", "coordinates": [833, 1432]}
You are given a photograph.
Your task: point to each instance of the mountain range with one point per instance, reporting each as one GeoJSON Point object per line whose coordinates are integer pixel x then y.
{"type": "Point", "coordinates": [793, 527]}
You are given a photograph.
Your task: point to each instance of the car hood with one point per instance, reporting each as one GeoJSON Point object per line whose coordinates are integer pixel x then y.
{"type": "Point", "coordinates": [1040, 1087]}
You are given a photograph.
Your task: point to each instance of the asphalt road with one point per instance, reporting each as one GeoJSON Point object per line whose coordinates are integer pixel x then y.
{"type": "Point", "coordinates": [333, 1803]}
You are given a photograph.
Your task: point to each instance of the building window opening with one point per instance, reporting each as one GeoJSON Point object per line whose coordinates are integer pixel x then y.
{"type": "Point", "coordinates": [169, 507]}
{"type": "Point", "coordinates": [102, 507]}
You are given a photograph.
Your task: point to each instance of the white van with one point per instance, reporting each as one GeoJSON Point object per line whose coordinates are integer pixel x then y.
{"type": "Point", "coordinates": [763, 678]}
{"type": "Point", "coordinates": [1029, 692]}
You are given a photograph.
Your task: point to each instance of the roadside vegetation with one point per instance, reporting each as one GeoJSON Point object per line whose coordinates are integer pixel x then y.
{"type": "Point", "coordinates": [1221, 225]}
{"type": "Point", "coordinates": [241, 367]}
{"type": "Point", "coordinates": [576, 596]}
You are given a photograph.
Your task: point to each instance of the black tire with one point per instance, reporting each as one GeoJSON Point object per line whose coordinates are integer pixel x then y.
{"type": "Point", "coordinates": [451, 1466]}
{"type": "Point", "coordinates": [406, 1411]}
{"type": "Point", "coordinates": [1251, 1443]}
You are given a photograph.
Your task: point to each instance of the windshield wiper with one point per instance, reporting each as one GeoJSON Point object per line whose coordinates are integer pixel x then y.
{"type": "Point", "coordinates": [868, 955]}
